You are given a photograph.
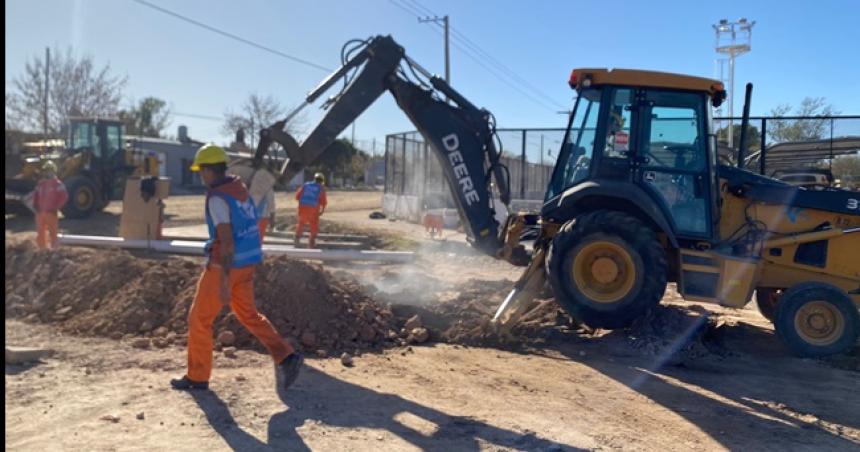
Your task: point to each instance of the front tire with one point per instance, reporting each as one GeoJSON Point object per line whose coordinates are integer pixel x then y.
{"type": "Point", "coordinates": [84, 198]}
{"type": "Point", "coordinates": [607, 268]}
{"type": "Point", "coordinates": [815, 319]}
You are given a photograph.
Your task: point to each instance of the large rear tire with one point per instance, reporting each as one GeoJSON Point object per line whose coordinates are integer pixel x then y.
{"type": "Point", "coordinates": [84, 198]}
{"type": "Point", "coordinates": [816, 319]}
{"type": "Point", "coordinates": [607, 268]}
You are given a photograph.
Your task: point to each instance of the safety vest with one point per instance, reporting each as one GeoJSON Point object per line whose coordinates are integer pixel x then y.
{"type": "Point", "coordinates": [246, 234]}
{"type": "Point", "coordinates": [310, 194]}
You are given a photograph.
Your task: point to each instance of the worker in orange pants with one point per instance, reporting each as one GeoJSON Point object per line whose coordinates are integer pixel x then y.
{"type": "Point", "coordinates": [49, 197]}
{"type": "Point", "coordinates": [312, 203]}
{"type": "Point", "coordinates": [266, 210]}
{"type": "Point", "coordinates": [234, 250]}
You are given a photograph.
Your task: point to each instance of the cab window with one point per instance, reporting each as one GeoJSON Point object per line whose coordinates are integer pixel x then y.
{"type": "Point", "coordinates": [574, 162]}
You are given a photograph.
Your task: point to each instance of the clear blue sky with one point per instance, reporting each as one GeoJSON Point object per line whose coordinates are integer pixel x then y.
{"type": "Point", "coordinates": [800, 49]}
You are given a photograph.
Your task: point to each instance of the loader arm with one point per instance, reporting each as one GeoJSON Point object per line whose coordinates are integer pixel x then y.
{"type": "Point", "coordinates": [459, 134]}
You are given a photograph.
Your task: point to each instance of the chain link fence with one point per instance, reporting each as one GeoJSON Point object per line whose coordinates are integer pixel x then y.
{"type": "Point", "coordinates": [785, 147]}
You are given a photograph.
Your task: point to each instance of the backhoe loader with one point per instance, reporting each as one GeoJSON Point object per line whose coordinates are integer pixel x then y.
{"type": "Point", "coordinates": [636, 200]}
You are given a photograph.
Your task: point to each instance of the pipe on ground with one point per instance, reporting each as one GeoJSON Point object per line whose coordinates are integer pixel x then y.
{"type": "Point", "coordinates": [196, 248]}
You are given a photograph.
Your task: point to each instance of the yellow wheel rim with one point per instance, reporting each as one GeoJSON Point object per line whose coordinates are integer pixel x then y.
{"type": "Point", "coordinates": [819, 323]}
{"type": "Point", "coordinates": [84, 198]}
{"type": "Point", "coordinates": [604, 272]}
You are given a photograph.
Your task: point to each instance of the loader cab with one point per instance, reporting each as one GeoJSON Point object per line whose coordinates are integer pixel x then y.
{"type": "Point", "coordinates": [98, 146]}
{"type": "Point", "coordinates": [641, 140]}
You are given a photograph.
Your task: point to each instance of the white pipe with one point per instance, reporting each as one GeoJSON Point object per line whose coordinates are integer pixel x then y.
{"type": "Point", "coordinates": [196, 248]}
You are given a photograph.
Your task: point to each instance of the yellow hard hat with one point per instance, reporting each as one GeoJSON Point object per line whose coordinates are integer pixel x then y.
{"type": "Point", "coordinates": [208, 154]}
{"type": "Point", "coordinates": [319, 177]}
{"type": "Point", "coordinates": [49, 166]}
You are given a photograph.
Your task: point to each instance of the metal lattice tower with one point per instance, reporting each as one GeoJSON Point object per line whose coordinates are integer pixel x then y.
{"type": "Point", "coordinates": [733, 39]}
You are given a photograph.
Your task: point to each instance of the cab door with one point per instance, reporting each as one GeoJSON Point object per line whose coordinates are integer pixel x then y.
{"type": "Point", "coordinates": [672, 159]}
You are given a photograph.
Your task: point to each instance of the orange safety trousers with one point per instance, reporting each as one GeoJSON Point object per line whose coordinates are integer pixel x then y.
{"type": "Point", "coordinates": [47, 225]}
{"type": "Point", "coordinates": [207, 305]}
{"type": "Point", "coordinates": [309, 215]}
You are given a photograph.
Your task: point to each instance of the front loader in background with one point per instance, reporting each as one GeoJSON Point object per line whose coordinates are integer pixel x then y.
{"type": "Point", "coordinates": [636, 200]}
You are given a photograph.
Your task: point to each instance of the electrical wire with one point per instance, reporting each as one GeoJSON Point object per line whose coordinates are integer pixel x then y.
{"type": "Point", "coordinates": [232, 36]}
{"type": "Point", "coordinates": [479, 51]}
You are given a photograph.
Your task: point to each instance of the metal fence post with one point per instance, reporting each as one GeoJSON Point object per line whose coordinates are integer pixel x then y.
{"type": "Point", "coordinates": [523, 168]}
{"type": "Point", "coordinates": [763, 151]}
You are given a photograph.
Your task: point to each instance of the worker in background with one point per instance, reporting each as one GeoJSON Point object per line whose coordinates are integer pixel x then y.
{"type": "Point", "coordinates": [49, 197]}
{"type": "Point", "coordinates": [233, 252]}
{"type": "Point", "coordinates": [312, 203]}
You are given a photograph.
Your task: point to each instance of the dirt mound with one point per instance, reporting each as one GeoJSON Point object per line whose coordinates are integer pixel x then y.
{"type": "Point", "coordinates": [678, 334]}
{"type": "Point", "coordinates": [462, 315]}
{"type": "Point", "coordinates": [113, 293]}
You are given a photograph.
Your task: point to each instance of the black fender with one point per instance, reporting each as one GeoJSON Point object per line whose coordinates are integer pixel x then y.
{"type": "Point", "coordinates": [612, 195]}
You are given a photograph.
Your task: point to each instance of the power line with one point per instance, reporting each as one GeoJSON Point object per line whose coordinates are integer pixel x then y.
{"type": "Point", "coordinates": [473, 55]}
{"type": "Point", "coordinates": [194, 115]}
{"type": "Point", "coordinates": [232, 36]}
{"type": "Point", "coordinates": [487, 56]}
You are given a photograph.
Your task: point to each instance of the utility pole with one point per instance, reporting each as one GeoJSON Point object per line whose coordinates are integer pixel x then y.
{"type": "Point", "coordinates": [47, 86]}
{"type": "Point", "coordinates": [445, 24]}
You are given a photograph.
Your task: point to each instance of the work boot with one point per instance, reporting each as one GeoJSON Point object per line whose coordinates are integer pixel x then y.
{"type": "Point", "coordinates": [185, 384]}
{"type": "Point", "coordinates": [288, 370]}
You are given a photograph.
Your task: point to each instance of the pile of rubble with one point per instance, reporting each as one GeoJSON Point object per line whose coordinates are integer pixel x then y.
{"type": "Point", "coordinates": [113, 293]}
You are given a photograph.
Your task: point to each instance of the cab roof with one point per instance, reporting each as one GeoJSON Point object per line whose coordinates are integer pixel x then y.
{"type": "Point", "coordinates": [581, 78]}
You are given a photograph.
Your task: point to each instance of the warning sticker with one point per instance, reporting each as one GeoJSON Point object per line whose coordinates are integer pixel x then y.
{"type": "Point", "coordinates": [621, 140]}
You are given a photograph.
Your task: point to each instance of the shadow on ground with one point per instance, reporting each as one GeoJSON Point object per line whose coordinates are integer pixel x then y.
{"type": "Point", "coordinates": [745, 400]}
{"type": "Point", "coordinates": [317, 396]}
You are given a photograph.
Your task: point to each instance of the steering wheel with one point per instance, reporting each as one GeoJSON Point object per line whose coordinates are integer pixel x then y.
{"type": "Point", "coordinates": [680, 152]}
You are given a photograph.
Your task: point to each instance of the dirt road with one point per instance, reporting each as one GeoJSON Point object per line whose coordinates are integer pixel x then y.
{"type": "Point", "coordinates": [589, 394]}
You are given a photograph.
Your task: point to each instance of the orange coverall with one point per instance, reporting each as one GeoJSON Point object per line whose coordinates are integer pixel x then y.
{"type": "Point", "coordinates": [207, 305]}
{"type": "Point", "coordinates": [49, 197]}
{"type": "Point", "coordinates": [310, 215]}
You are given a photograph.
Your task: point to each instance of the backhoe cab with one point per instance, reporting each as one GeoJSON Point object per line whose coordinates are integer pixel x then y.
{"type": "Point", "coordinates": [637, 200]}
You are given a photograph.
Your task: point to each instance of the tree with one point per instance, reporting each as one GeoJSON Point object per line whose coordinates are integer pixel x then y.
{"type": "Point", "coordinates": [341, 159]}
{"type": "Point", "coordinates": [846, 165]}
{"type": "Point", "coordinates": [802, 129]}
{"type": "Point", "coordinates": [257, 112]}
{"type": "Point", "coordinates": [148, 118]}
{"type": "Point", "coordinates": [77, 88]}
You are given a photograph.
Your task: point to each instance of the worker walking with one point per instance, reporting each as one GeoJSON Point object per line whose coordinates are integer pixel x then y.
{"type": "Point", "coordinates": [312, 203]}
{"type": "Point", "coordinates": [49, 197]}
{"type": "Point", "coordinates": [233, 252]}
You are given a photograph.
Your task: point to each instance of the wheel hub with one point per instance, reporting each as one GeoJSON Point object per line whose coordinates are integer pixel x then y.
{"type": "Point", "coordinates": [604, 271]}
{"type": "Point", "coordinates": [819, 322]}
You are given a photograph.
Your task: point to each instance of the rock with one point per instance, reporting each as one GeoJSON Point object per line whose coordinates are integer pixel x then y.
{"type": "Point", "coordinates": [20, 355]}
{"type": "Point", "coordinates": [322, 353]}
{"type": "Point", "coordinates": [141, 342]}
{"type": "Point", "coordinates": [391, 334]}
{"type": "Point", "coordinates": [160, 332]}
{"type": "Point", "coordinates": [230, 352]}
{"type": "Point", "coordinates": [140, 416]}
{"type": "Point", "coordinates": [227, 337]}
{"type": "Point", "coordinates": [367, 333]}
{"type": "Point", "coordinates": [160, 342]}
{"type": "Point", "coordinates": [146, 326]}
{"type": "Point", "coordinates": [110, 417]}
{"type": "Point", "coordinates": [412, 323]}
{"type": "Point", "coordinates": [418, 335]}
{"type": "Point", "coordinates": [116, 335]}
{"type": "Point", "coordinates": [308, 339]}
{"type": "Point", "coordinates": [346, 359]}
{"type": "Point", "coordinates": [240, 378]}
{"type": "Point", "coordinates": [63, 311]}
